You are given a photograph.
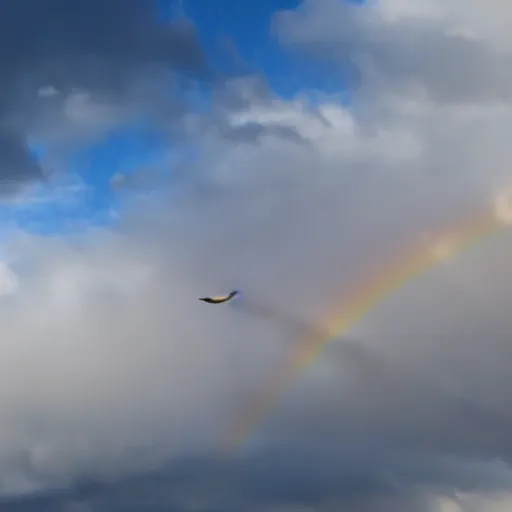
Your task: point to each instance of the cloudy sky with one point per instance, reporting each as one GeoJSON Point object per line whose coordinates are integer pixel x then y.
{"type": "Point", "coordinates": [152, 152]}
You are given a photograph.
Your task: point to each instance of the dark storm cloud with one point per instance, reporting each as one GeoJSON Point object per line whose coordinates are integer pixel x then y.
{"type": "Point", "coordinates": [99, 46]}
{"type": "Point", "coordinates": [266, 484]}
{"type": "Point", "coordinates": [17, 163]}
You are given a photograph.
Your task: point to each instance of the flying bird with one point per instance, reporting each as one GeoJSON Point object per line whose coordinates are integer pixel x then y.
{"type": "Point", "coordinates": [219, 299]}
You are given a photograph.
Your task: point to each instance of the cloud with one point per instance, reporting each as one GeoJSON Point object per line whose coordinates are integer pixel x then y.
{"type": "Point", "coordinates": [74, 69]}
{"type": "Point", "coordinates": [18, 164]}
{"type": "Point", "coordinates": [431, 47]}
{"type": "Point", "coordinates": [117, 385]}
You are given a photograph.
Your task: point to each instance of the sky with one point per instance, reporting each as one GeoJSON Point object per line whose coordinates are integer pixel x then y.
{"type": "Point", "coordinates": [154, 152]}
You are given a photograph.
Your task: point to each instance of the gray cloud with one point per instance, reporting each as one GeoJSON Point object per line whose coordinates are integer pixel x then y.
{"type": "Point", "coordinates": [251, 132]}
{"type": "Point", "coordinates": [109, 50]}
{"type": "Point", "coordinates": [18, 164]}
{"type": "Point", "coordinates": [400, 52]}
{"type": "Point", "coordinates": [225, 488]}
{"type": "Point", "coordinates": [244, 92]}
{"type": "Point", "coordinates": [133, 373]}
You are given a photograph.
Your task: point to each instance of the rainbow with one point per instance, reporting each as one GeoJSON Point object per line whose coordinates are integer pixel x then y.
{"type": "Point", "coordinates": [408, 264]}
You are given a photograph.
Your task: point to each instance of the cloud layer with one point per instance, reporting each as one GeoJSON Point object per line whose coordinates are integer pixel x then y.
{"type": "Point", "coordinates": [118, 386]}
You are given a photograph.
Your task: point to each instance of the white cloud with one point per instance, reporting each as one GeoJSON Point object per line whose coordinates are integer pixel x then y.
{"type": "Point", "coordinates": [444, 49]}
{"type": "Point", "coordinates": [8, 280]}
